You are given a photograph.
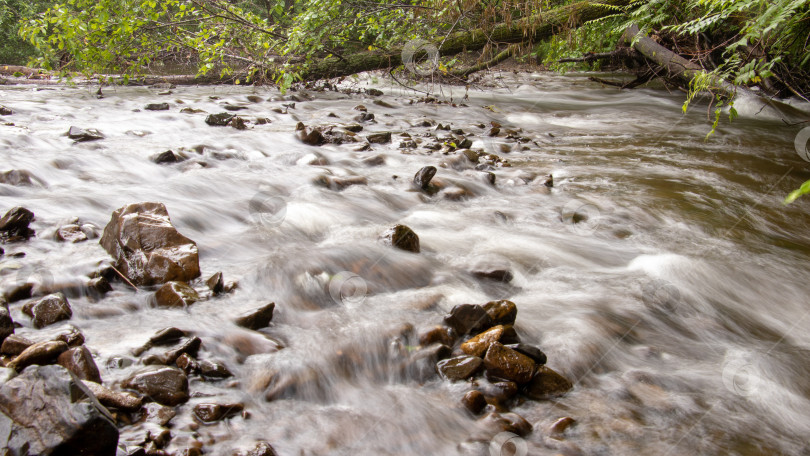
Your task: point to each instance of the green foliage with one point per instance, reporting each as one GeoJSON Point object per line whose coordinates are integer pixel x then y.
{"type": "Point", "coordinates": [795, 194]}
{"type": "Point", "coordinates": [13, 49]}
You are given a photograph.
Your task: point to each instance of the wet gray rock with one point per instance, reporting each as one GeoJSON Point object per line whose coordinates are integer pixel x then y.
{"type": "Point", "coordinates": [47, 411]}
{"type": "Point", "coordinates": [157, 107]}
{"type": "Point", "coordinates": [219, 120]}
{"type": "Point", "coordinates": [15, 223]}
{"type": "Point", "coordinates": [121, 400]}
{"type": "Point", "coordinates": [459, 368]}
{"type": "Point", "coordinates": [5, 111]}
{"type": "Point", "coordinates": [175, 294]}
{"type": "Point", "coordinates": [423, 177]}
{"type": "Point", "coordinates": [79, 361]}
{"type": "Point", "coordinates": [547, 384]}
{"type": "Point", "coordinates": [41, 353]}
{"type": "Point", "coordinates": [80, 134]}
{"type": "Point", "coordinates": [258, 318]}
{"type": "Point", "coordinates": [468, 318]}
{"type": "Point", "coordinates": [401, 237]}
{"type": "Point", "coordinates": [48, 310]}
{"type": "Point", "coordinates": [505, 363]}
{"type": "Point", "coordinates": [208, 412]}
{"type": "Point", "coordinates": [147, 248]}
{"type": "Point", "coordinates": [164, 385]}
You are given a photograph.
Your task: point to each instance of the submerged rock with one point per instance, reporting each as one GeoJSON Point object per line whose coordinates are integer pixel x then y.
{"type": "Point", "coordinates": [47, 411]}
{"type": "Point", "coordinates": [48, 310]}
{"type": "Point", "coordinates": [4, 111]}
{"type": "Point", "coordinates": [17, 177]}
{"type": "Point", "coordinates": [401, 237]}
{"type": "Point", "coordinates": [147, 248]}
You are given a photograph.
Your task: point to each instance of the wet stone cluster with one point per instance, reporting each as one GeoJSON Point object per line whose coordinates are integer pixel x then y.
{"type": "Point", "coordinates": [478, 345]}
{"type": "Point", "coordinates": [53, 399]}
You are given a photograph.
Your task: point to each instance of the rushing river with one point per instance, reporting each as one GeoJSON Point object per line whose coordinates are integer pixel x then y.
{"type": "Point", "coordinates": [661, 273]}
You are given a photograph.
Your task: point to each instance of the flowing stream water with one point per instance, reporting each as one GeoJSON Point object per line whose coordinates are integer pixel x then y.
{"type": "Point", "coordinates": [661, 273]}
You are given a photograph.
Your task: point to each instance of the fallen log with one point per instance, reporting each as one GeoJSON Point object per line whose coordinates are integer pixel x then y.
{"type": "Point", "coordinates": [535, 28]}
{"type": "Point", "coordinates": [677, 68]}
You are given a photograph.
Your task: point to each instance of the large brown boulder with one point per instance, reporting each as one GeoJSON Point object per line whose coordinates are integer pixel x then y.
{"type": "Point", "coordinates": [47, 411]}
{"type": "Point", "coordinates": [146, 246]}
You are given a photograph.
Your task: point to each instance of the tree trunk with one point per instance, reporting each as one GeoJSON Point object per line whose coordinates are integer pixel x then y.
{"type": "Point", "coordinates": [531, 29]}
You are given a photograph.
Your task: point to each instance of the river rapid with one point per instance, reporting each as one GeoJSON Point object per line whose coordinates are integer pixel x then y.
{"type": "Point", "coordinates": [661, 273]}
